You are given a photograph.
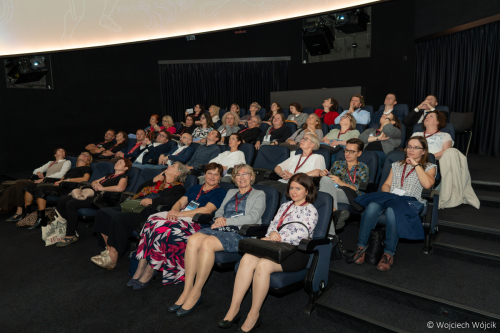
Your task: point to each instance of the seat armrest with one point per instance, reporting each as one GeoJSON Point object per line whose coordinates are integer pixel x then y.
{"type": "Point", "coordinates": [125, 195]}
{"type": "Point", "coordinates": [85, 183]}
{"type": "Point", "coordinates": [363, 186]}
{"type": "Point", "coordinates": [229, 171]}
{"type": "Point", "coordinates": [428, 194]}
{"type": "Point", "coordinates": [203, 218]}
{"type": "Point", "coordinates": [69, 184]}
{"type": "Point", "coordinates": [250, 230]}
{"type": "Point", "coordinates": [308, 245]}
{"type": "Point", "coordinates": [201, 167]}
{"type": "Point", "coordinates": [161, 208]}
{"type": "Point", "coordinates": [266, 172]}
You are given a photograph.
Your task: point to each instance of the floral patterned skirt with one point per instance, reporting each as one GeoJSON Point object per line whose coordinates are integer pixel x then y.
{"type": "Point", "coordinates": [163, 244]}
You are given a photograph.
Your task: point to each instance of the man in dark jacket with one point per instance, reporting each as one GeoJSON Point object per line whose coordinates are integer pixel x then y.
{"type": "Point", "coordinates": [418, 115]}
{"type": "Point", "coordinates": [150, 152]}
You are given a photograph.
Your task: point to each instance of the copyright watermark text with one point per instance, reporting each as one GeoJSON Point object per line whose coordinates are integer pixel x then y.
{"type": "Point", "coordinates": [451, 325]}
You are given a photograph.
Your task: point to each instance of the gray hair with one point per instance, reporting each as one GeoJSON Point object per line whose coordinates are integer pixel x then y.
{"type": "Point", "coordinates": [181, 178]}
{"type": "Point", "coordinates": [258, 119]}
{"type": "Point", "coordinates": [314, 139]}
{"type": "Point", "coordinates": [256, 105]}
{"type": "Point", "coordinates": [237, 169]}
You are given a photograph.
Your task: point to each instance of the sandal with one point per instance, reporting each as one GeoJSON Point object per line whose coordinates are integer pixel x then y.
{"type": "Point", "coordinates": [66, 241]}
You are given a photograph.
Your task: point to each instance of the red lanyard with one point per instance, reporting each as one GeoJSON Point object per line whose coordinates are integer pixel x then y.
{"type": "Point", "coordinates": [377, 133]}
{"type": "Point", "coordinates": [285, 215]}
{"type": "Point", "coordinates": [134, 147]}
{"type": "Point", "coordinates": [300, 165]}
{"type": "Point", "coordinates": [403, 175]}
{"type": "Point", "coordinates": [223, 131]}
{"type": "Point", "coordinates": [238, 201]}
{"type": "Point", "coordinates": [338, 136]}
{"type": "Point", "coordinates": [51, 164]}
{"type": "Point", "coordinates": [110, 177]}
{"type": "Point", "coordinates": [349, 174]}
{"type": "Point", "coordinates": [271, 130]}
{"type": "Point", "coordinates": [201, 188]}
{"type": "Point", "coordinates": [428, 136]}
{"type": "Point", "coordinates": [323, 114]}
{"type": "Point", "coordinates": [243, 130]}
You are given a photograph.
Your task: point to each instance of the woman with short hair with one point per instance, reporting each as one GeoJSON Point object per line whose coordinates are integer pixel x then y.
{"type": "Point", "coordinates": [329, 112]}
{"type": "Point", "coordinates": [235, 108]}
{"type": "Point", "coordinates": [214, 112]}
{"type": "Point", "coordinates": [284, 228]}
{"type": "Point", "coordinates": [168, 124]}
{"type": "Point", "coordinates": [297, 116]}
{"type": "Point", "coordinates": [229, 125]}
{"type": "Point", "coordinates": [253, 111]}
{"type": "Point", "coordinates": [206, 126]}
{"type": "Point", "coordinates": [275, 134]}
{"type": "Point", "coordinates": [189, 127]}
{"type": "Point", "coordinates": [438, 141]}
{"type": "Point", "coordinates": [311, 126]}
{"type": "Point", "coordinates": [154, 127]}
{"type": "Point", "coordinates": [244, 205]}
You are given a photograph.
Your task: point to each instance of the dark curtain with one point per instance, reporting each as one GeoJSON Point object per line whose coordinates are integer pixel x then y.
{"type": "Point", "coordinates": [463, 71]}
{"type": "Point", "coordinates": [221, 84]}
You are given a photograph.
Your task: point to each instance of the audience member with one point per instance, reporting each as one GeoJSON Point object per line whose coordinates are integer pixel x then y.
{"type": "Point", "coordinates": [253, 110]}
{"type": "Point", "coordinates": [356, 104]}
{"type": "Point", "coordinates": [150, 152]}
{"type": "Point", "coordinates": [401, 201]}
{"type": "Point", "coordinates": [50, 172]}
{"type": "Point", "coordinates": [296, 115]}
{"type": "Point", "coordinates": [214, 113]}
{"type": "Point", "coordinates": [389, 103]}
{"type": "Point", "coordinates": [164, 236]}
{"type": "Point", "coordinates": [154, 127]}
{"type": "Point", "coordinates": [308, 163]}
{"type": "Point", "coordinates": [311, 126]}
{"type": "Point", "coordinates": [329, 112]}
{"type": "Point", "coordinates": [275, 109]}
{"type": "Point", "coordinates": [244, 205]}
{"type": "Point", "coordinates": [418, 115]}
{"type": "Point", "coordinates": [115, 225]}
{"type": "Point", "coordinates": [235, 108]}
{"type": "Point", "coordinates": [438, 141]}
{"type": "Point", "coordinates": [343, 180]}
{"type": "Point", "coordinates": [337, 138]}
{"type": "Point", "coordinates": [204, 153]}
{"type": "Point", "coordinates": [198, 110]}
{"type": "Point", "coordinates": [275, 134]}
{"type": "Point", "coordinates": [132, 152]}
{"type": "Point", "coordinates": [188, 127]}
{"type": "Point", "coordinates": [229, 125]}
{"type": "Point", "coordinates": [168, 124]}
{"type": "Point", "coordinates": [182, 153]}
{"type": "Point", "coordinates": [206, 126]}
{"type": "Point", "coordinates": [231, 157]}
{"type": "Point", "coordinates": [98, 148]}
{"type": "Point", "coordinates": [121, 143]}
{"type": "Point", "coordinates": [113, 184]}
{"type": "Point", "coordinates": [250, 134]}
{"type": "Point", "coordinates": [256, 271]}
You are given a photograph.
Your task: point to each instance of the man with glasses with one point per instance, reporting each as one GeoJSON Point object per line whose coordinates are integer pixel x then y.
{"type": "Point", "coordinates": [204, 153]}
{"type": "Point", "coordinates": [355, 109]}
{"type": "Point", "coordinates": [107, 144]}
{"type": "Point", "coordinates": [182, 153]}
{"type": "Point", "coordinates": [150, 152]}
{"type": "Point", "coordinates": [131, 152]}
{"type": "Point", "coordinates": [250, 134]}
{"type": "Point", "coordinates": [343, 180]}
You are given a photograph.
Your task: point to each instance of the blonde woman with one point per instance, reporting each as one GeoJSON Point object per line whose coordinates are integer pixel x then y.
{"type": "Point", "coordinates": [311, 126]}
{"type": "Point", "coordinates": [214, 112]}
{"type": "Point", "coordinates": [168, 123]}
{"type": "Point", "coordinates": [338, 137]}
{"type": "Point", "coordinates": [230, 122]}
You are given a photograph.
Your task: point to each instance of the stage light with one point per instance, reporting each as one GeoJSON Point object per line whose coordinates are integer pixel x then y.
{"type": "Point", "coordinates": [352, 21]}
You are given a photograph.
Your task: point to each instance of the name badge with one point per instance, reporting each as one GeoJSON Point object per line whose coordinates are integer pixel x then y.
{"type": "Point", "coordinates": [237, 215]}
{"type": "Point", "coordinates": [267, 138]}
{"type": "Point", "coordinates": [191, 206]}
{"type": "Point", "coordinates": [398, 191]}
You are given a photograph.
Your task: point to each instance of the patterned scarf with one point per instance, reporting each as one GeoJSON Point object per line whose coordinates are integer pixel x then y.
{"type": "Point", "coordinates": [160, 186]}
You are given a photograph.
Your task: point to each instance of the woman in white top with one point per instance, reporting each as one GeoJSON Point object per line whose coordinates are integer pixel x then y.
{"type": "Point", "coordinates": [230, 158]}
{"type": "Point", "coordinates": [297, 116]}
{"type": "Point", "coordinates": [438, 141]}
{"type": "Point", "coordinates": [309, 163]}
{"type": "Point", "coordinates": [214, 112]}
{"type": "Point", "coordinates": [229, 126]}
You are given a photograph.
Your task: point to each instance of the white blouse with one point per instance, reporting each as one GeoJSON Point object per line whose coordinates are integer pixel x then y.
{"type": "Point", "coordinates": [436, 141]}
{"type": "Point", "coordinates": [229, 159]}
{"type": "Point", "coordinates": [315, 161]}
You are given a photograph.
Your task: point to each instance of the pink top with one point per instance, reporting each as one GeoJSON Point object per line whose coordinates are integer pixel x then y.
{"type": "Point", "coordinates": [171, 129]}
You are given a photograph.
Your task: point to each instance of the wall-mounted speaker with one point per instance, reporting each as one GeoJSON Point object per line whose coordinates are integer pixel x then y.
{"type": "Point", "coordinates": [318, 42]}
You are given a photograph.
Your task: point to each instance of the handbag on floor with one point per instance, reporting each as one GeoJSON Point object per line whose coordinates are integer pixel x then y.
{"type": "Point", "coordinates": [30, 220]}
{"type": "Point", "coordinates": [55, 231]}
{"type": "Point", "coordinates": [272, 250]}
{"type": "Point", "coordinates": [373, 250]}
{"type": "Point", "coordinates": [337, 249]}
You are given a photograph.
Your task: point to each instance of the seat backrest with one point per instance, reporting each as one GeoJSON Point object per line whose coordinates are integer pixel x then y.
{"type": "Point", "coordinates": [171, 144]}
{"type": "Point", "coordinates": [359, 127]}
{"type": "Point", "coordinates": [449, 128]}
{"type": "Point", "coordinates": [72, 159]}
{"type": "Point", "coordinates": [286, 112]}
{"type": "Point", "coordinates": [101, 170]}
{"type": "Point", "coordinates": [370, 158]}
{"type": "Point", "coordinates": [292, 126]}
{"type": "Point", "coordinates": [221, 113]}
{"type": "Point", "coordinates": [339, 109]}
{"type": "Point", "coordinates": [403, 136]}
{"type": "Point", "coordinates": [324, 206]}
{"type": "Point", "coordinates": [262, 113]}
{"type": "Point", "coordinates": [263, 127]}
{"type": "Point", "coordinates": [227, 186]}
{"type": "Point", "coordinates": [218, 124]}
{"type": "Point", "coordinates": [95, 173]}
{"type": "Point", "coordinates": [177, 126]}
{"type": "Point", "coordinates": [247, 149]}
{"type": "Point", "coordinates": [445, 110]}
{"type": "Point", "coordinates": [401, 109]}
{"type": "Point", "coordinates": [243, 112]}
{"type": "Point", "coordinates": [134, 174]}
{"type": "Point", "coordinates": [325, 129]}
{"type": "Point", "coordinates": [323, 152]}
{"type": "Point", "coordinates": [131, 142]}
{"type": "Point", "coordinates": [308, 110]}
{"type": "Point", "coordinates": [272, 202]}
{"type": "Point", "coordinates": [148, 174]}
{"type": "Point", "coordinates": [368, 108]}
{"type": "Point", "coordinates": [268, 157]}
{"type": "Point", "coordinates": [392, 157]}
{"type": "Point", "coordinates": [195, 145]}
{"type": "Point", "coordinates": [241, 126]}
{"type": "Point", "coordinates": [462, 121]}
{"type": "Point", "coordinates": [190, 181]}
{"type": "Point", "coordinates": [223, 148]}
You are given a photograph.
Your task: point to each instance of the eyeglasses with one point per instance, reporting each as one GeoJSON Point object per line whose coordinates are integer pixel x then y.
{"type": "Point", "coordinates": [305, 139]}
{"type": "Point", "coordinates": [242, 174]}
{"type": "Point", "coordinates": [203, 118]}
{"type": "Point", "coordinates": [413, 148]}
{"type": "Point", "coordinates": [162, 135]}
{"type": "Point", "coordinates": [350, 152]}
{"type": "Point", "coordinates": [345, 116]}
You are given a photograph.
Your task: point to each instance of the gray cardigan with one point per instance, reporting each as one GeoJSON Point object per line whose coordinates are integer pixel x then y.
{"type": "Point", "coordinates": [389, 130]}
{"type": "Point", "coordinates": [254, 208]}
{"type": "Point", "coordinates": [301, 118]}
{"type": "Point", "coordinates": [229, 130]}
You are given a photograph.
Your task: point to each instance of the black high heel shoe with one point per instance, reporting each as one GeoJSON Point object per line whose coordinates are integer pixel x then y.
{"type": "Point", "coordinates": [41, 221]}
{"type": "Point", "coordinates": [228, 323]}
{"type": "Point", "coordinates": [256, 326]}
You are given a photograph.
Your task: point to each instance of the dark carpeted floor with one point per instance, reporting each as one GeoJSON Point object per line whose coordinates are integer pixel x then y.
{"type": "Point", "coordinates": [486, 216]}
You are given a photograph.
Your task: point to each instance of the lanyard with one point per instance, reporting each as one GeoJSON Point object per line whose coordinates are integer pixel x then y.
{"type": "Point", "coordinates": [223, 131]}
{"type": "Point", "coordinates": [243, 130]}
{"type": "Point", "coordinates": [134, 147]}
{"type": "Point", "coordinates": [428, 136]}
{"type": "Point", "coordinates": [349, 174]}
{"type": "Point", "coordinates": [403, 175]}
{"type": "Point", "coordinates": [238, 201]}
{"type": "Point", "coordinates": [51, 164]}
{"type": "Point", "coordinates": [300, 165]}
{"type": "Point", "coordinates": [377, 133]}
{"type": "Point", "coordinates": [285, 215]}
{"type": "Point", "coordinates": [110, 177]}
{"type": "Point", "coordinates": [271, 130]}
{"type": "Point", "coordinates": [201, 188]}
{"type": "Point", "coordinates": [338, 136]}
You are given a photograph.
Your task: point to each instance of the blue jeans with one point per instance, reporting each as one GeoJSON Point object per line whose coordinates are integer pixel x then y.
{"type": "Point", "coordinates": [381, 160]}
{"type": "Point", "coordinates": [369, 221]}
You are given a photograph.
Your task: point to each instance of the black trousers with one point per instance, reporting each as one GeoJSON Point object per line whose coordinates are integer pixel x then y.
{"type": "Point", "coordinates": [43, 191]}
{"type": "Point", "coordinates": [118, 225]}
{"type": "Point", "coordinates": [68, 207]}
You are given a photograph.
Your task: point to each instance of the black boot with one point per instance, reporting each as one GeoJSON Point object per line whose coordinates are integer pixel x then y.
{"type": "Point", "coordinates": [339, 218]}
{"type": "Point", "coordinates": [41, 221]}
{"type": "Point", "coordinates": [17, 217]}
